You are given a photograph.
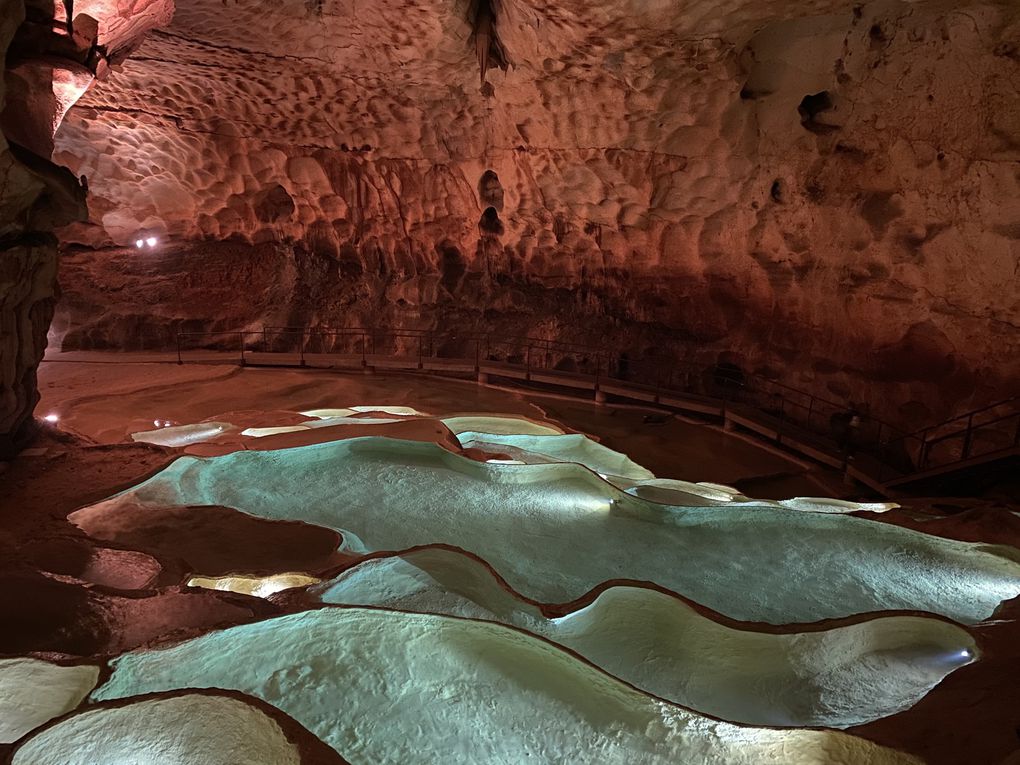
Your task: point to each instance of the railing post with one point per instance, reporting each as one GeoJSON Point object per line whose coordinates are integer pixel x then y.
{"type": "Point", "coordinates": [527, 362]}
{"type": "Point", "coordinates": [265, 340]}
{"type": "Point", "coordinates": [600, 397]}
{"type": "Point", "coordinates": [179, 359]}
{"type": "Point", "coordinates": [421, 343]}
{"type": "Point", "coordinates": [240, 339]}
{"type": "Point", "coordinates": [968, 436]}
{"type": "Point", "coordinates": [478, 354]}
{"type": "Point", "coordinates": [301, 346]}
{"type": "Point", "coordinates": [810, 410]}
{"type": "Point", "coordinates": [364, 347]}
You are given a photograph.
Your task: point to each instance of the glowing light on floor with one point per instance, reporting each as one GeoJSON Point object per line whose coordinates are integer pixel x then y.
{"type": "Point", "coordinates": [259, 586]}
{"type": "Point", "coordinates": [263, 432]}
{"type": "Point", "coordinates": [168, 434]}
{"type": "Point", "coordinates": [52, 418]}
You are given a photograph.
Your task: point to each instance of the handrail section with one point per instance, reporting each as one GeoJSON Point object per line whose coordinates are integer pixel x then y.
{"type": "Point", "coordinates": [966, 438]}
{"type": "Point", "coordinates": [897, 454]}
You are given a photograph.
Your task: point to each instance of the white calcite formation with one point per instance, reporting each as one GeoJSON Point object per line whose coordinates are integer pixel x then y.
{"type": "Point", "coordinates": [569, 447]}
{"type": "Point", "coordinates": [825, 191]}
{"type": "Point", "coordinates": [371, 589]}
{"type": "Point", "coordinates": [182, 730]}
{"type": "Point", "coordinates": [259, 586]}
{"type": "Point", "coordinates": [556, 531]}
{"type": "Point", "coordinates": [33, 692]}
{"type": "Point", "coordinates": [835, 677]}
{"type": "Point", "coordinates": [386, 687]}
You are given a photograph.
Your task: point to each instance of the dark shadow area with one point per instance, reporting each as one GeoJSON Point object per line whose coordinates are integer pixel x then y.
{"type": "Point", "coordinates": [490, 190]}
{"type": "Point", "coordinates": [490, 223]}
{"type": "Point", "coordinates": [813, 105]}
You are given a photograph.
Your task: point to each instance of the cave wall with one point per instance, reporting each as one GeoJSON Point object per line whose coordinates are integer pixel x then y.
{"type": "Point", "coordinates": [49, 62]}
{"type": "Point", "coordinates": [34, 198]}
{"type": "Point", "coordinates": [828, 194]}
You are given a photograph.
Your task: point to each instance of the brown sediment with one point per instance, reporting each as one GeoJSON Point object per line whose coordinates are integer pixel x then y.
{"type": "Point", "coordinates": [69, 616]}
{"type": "Point", "coordinates": [214, 540]}
{"type": "Point", "coordinates": [990, 522]}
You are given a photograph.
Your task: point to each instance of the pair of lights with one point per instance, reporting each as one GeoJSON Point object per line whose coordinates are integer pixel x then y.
{"type": "Point", "coordinates": [53, 418]}
{"type": "Point", "coordinates": [162, 423]}
{"type": "Point", "coordinates": [150, 241]}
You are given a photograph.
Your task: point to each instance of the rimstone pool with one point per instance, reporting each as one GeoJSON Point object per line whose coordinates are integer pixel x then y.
{"type": "Point", "coordinates": [502, 590]}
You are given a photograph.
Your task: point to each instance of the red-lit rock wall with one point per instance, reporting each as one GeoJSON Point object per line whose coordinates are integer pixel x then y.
{"type": "Point", "coordinates": [828, 193]}
{"type": "Point", "coordinates": [34, 197]}
{"type": "Point", "coordinates": [49, 63]}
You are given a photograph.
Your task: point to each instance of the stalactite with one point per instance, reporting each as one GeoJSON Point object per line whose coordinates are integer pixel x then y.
{"type": "Point", "coordinates": [489, 48]}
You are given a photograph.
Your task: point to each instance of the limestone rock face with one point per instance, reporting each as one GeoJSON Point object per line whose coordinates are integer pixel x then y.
{"type": "Point", "coordinates": [823, 192]}
{"type": "Point", "coordinates": [49, 64]}
{"type": "Point", "coordinates": [26, 307]}
{"type": "Point", "coordinates": [34, 197]}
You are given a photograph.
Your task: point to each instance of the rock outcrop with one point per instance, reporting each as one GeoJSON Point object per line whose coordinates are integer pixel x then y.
{"type": "Point", "coordinates": [35, 196]}
{"type": "Point", "coordinates": [50, 61]}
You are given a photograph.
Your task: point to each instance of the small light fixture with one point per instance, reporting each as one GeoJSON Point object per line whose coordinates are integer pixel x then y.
{"type": "Point", "coordinates": [139, 243]}
{"type": "Point", "coordinates": [151, 241]}
{"type": "Point", "coordinates": [51, 418]}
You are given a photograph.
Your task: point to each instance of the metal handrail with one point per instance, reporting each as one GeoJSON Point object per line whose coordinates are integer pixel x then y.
{"type": "Point", "coordinates": [789, 406]}
{"type": "Point", "coordinates": [550, 345]}
{"type": "Point", "coordinates": [526, 342]}
{"type": "Point", "coordinates": [1012, 400]}
{"type": "Point", "coordinates": [971, 427]}
{"type": "Point", "coordinates": [925, 443]}
{"type": "Point", "coordinates": [667, 375]}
